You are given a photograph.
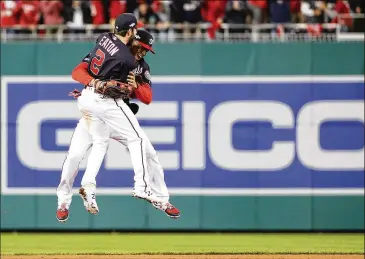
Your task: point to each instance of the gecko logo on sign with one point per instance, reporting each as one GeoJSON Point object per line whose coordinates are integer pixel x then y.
{"type": "Point", "coordinates": [205, 134]}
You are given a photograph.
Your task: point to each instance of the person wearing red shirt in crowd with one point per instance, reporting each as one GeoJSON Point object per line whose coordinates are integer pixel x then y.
{"type": "Point", "coordinates": [97, 12]}
{"type": "Point", "coordinates": [28, 13]}
{"type": "Point", "coordinates": [156, 5]}
{"type": "Point", "coordinates": [295, 11]}
{"type": "Point", "coordinates": [51, 12]}
{"type": "Point", "coordinates": [7, 14]}
{"type": "Point", "coordinates": [342, 8]}
{"type": "Point", "coordinates": [213, 12]}
{"type": "Point", "coordinates": [115, 9]}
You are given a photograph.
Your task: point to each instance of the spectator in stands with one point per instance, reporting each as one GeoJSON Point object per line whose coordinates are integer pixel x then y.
{"type": "Point", "coordinates": [28, 13]}
{"type": "Point", "coordinates": [97, 12]}
{"type": "Point", "coordinates": [177, 14]}
{"type": "Point", "coordinates": [358, 8]}
{"type": "Point", "coordinates": [116, 8]}
{"type": "Point", "coordinates": [51, 12]}
{"type": "Point", "coordinates": [156, 4]}
{"type": "Point", "coordinates": [145, 14]}
{"type": "Point", "coordinates": [340, 13]}
{"type": "Point", "coordinates": [131, 6]}
{"type": "Point", "coordinates": [7, 14]}
{"type": "Point", "coordinates": [259, 10]}
{"type": "Point", "coordinates": [279, 11]}
{"type": "Point", "coordinates": [296, 15]}
{"type": "Point", "coordinates": [162, 10]}
{"type": "Point", "coordinates": [192, 11]}
{"type": "Point", "coordinates": [313, 11]}
{"type": "Point", "coordinates": [213, 12]}
{"type": "Point", "coordinates": [77, 14]}
{"type": "Point", "coordinates": [193, 15]}
{"type": "Point", "coordinates": [185, 12]}
{"type": "Point", "coordinates": [236, 13]}
{"type": "Point", "coordinates": [162, 13]}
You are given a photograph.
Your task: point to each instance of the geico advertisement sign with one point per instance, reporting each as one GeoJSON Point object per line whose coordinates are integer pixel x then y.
{"type": "Point", "coordinates": [204, 135]}
{"type": "Point", "coordinates": [226, 133]}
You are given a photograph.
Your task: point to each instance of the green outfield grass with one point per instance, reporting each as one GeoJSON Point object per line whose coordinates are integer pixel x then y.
{"type": "Point", "coordinates": [115, 243]}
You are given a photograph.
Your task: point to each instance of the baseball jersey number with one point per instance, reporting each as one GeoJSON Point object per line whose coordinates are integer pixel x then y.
{"type": "Point", "coordinates": [97, 61]}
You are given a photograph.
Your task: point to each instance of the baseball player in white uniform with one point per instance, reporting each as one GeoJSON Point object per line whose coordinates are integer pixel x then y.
{"type": "Point", "coordinates": [105, 117]}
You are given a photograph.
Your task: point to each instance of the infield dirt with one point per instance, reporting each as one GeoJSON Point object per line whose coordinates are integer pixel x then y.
{"type": "Point", "coordinates": [246, 256]}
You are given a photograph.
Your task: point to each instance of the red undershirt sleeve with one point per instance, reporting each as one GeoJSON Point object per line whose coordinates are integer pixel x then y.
{"type": "Point", "coordinates": [81, 75]}
{"type": "Point", "coordinates": [144, 93]}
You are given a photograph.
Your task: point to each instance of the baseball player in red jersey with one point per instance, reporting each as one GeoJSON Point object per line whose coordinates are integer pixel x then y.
{"type": "Point", "coordinates": [82, 141]}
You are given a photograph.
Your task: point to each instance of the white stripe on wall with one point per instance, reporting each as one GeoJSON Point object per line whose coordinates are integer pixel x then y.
{"type": "Point", "coordinates": [207, 191]}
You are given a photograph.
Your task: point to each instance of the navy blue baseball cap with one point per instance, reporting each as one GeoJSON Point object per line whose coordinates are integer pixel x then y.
{"type": "Point", "coordinates": [127, 21]}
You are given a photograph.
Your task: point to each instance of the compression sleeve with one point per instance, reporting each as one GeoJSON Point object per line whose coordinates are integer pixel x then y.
{"type": "Point", "coordinates": [81, 75]}
{"type": "Point", "coordinates": [144, 93]}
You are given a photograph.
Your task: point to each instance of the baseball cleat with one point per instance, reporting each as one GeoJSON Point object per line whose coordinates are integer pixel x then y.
{"type": "Point", "coordinates": [169, 209]}
{"type": "Point", "coordinates": [148, 196]}
{"type": "Point", "coordinates": [62, 214]}
{"type": "Point", "coordinates": [89, 200]}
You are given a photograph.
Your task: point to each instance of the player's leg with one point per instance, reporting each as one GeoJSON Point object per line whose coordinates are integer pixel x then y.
{"type": "Point", "coordinates": [158, 184]}
{"type": "Point", "coordinates": [157, 181]}
{"type": "Point", "coordinates": [121, 120]}
{"type": "Point", "coordinates": [80, 143]}
{"type": "Point", "coordinates": [124, 122]}
{"type": "Point", "coordinates": [117, 115]}
{"type": "Point", "coordinates": [118, 137]}
{"type": "Point", "coordinates": [100, 139]}
{"type": "Point", "coordinates": [100, 134]}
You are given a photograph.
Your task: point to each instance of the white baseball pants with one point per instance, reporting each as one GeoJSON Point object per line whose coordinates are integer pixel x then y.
{"type": "Point", "coordinates": [118, 123]}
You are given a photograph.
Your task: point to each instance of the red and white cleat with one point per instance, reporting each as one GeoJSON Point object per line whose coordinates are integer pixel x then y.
{"type": "Point", "coordinates": [169, 209]}
{"type": "Point", "coordinates": [62, 214]}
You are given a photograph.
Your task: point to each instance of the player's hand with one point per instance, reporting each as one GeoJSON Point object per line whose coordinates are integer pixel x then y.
{"type": "Point", "coordinates": [132, 80]}
{"type": "Point", "coordinates": [75, 93]}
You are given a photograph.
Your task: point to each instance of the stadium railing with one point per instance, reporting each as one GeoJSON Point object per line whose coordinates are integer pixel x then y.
{"type": "Point", "coordinates": [193, 32]}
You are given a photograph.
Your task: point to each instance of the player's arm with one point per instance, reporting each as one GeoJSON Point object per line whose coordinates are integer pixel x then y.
{"type": "Point", "coordinates": [81, 74]}
{"type": "Point", "coordinates": [143, 93]}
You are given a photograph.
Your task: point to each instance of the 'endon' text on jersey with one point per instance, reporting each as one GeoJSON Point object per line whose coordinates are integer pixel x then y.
{"type": "Point", "coordinates": [108, 45]}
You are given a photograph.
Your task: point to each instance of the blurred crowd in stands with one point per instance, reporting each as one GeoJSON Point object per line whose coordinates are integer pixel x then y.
{"type": "Point", "coordinates": [162, 13]}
